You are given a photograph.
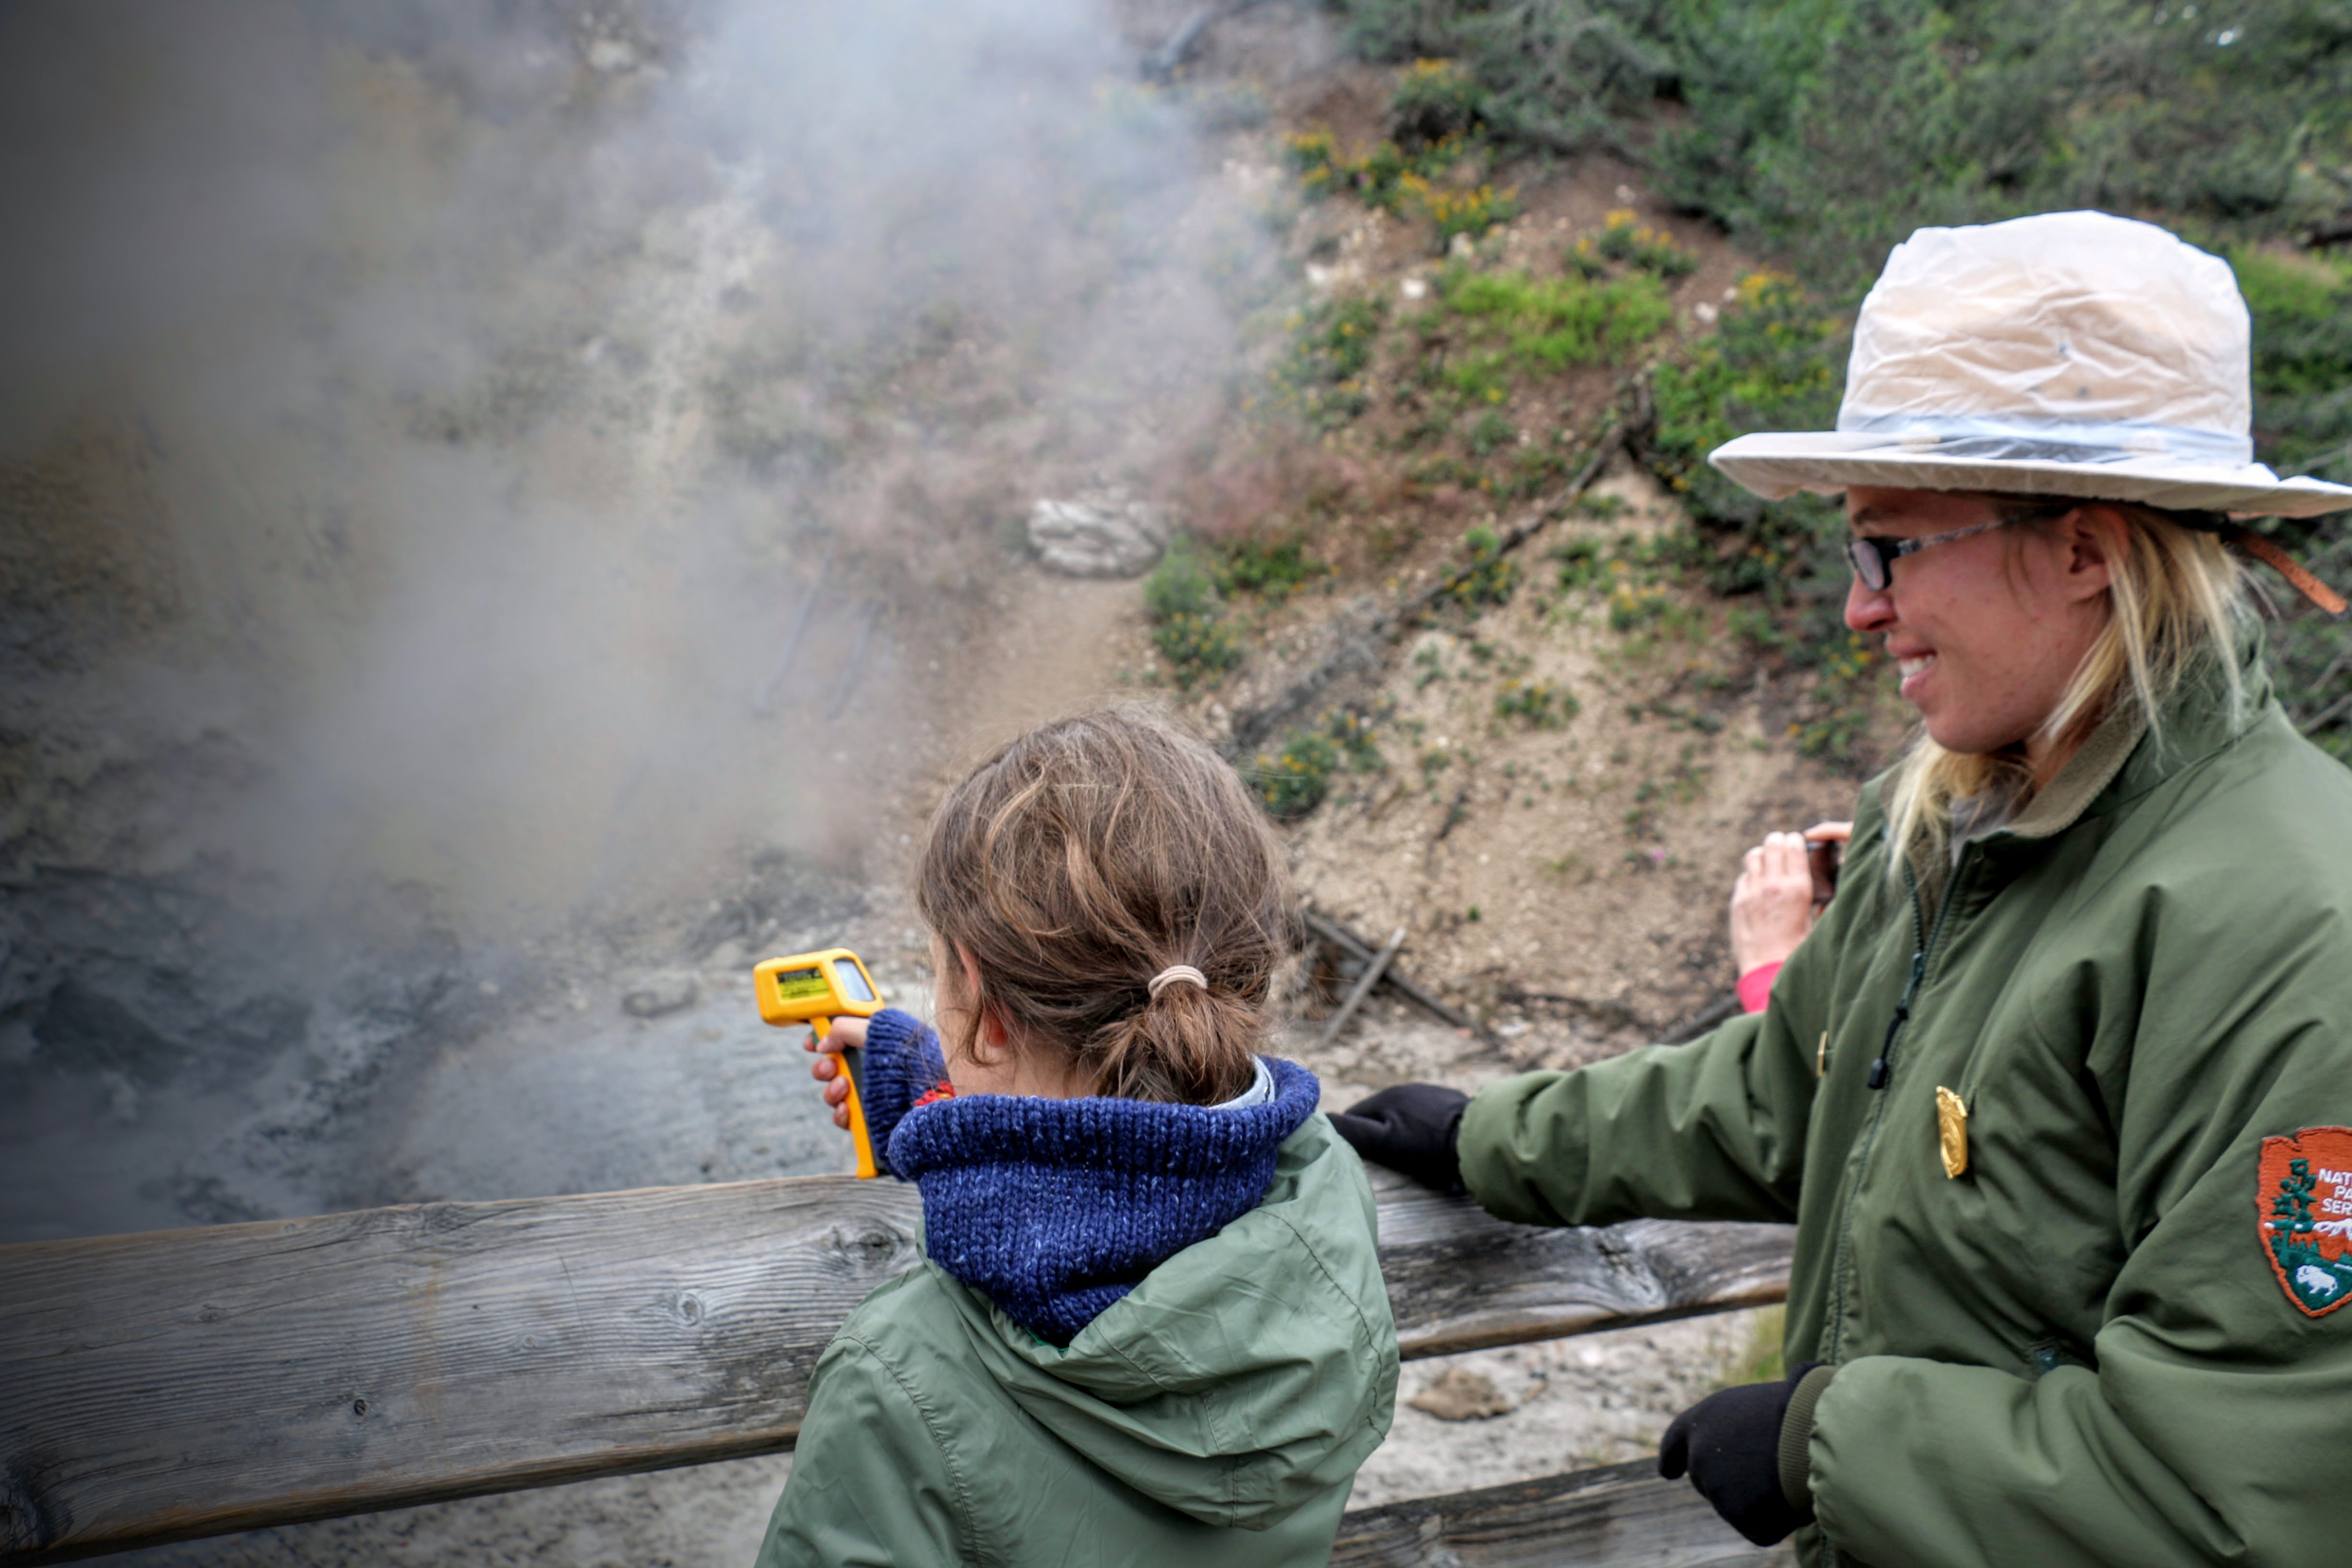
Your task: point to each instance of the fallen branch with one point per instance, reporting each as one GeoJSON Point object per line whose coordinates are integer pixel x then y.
{"type": "Point", "coordinates": [855, 669]}
{"type": "Point", "coordinates": [1333, 934]}
{"type": "Point", "coordinates": [1454, 812]}
{"type": "Point", "coordinates": [762, 699]}
{"type": "Point", "coordinates": [1162, 63]}
{"type": "Point", "coordinates": [1363, 988]}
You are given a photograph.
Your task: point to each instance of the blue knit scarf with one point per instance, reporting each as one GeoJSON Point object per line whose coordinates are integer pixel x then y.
{"type": "Point", "coordinates": [1055, 1208]}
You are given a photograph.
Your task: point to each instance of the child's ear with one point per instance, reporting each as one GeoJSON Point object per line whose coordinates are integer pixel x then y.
{"type": "Point", "coordinates": [994, 1044]}
{"type": "Point", "coordinates": [989, 1043]}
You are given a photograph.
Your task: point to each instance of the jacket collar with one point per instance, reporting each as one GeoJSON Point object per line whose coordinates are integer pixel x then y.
{"type": "Point", "coordinates": [1054, 1209]}
{"type": "Point", "coordinates": [2084, 777]}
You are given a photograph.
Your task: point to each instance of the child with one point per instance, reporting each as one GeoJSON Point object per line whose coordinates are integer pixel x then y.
{"type": "Point", "coordinates": [1151, 1327]}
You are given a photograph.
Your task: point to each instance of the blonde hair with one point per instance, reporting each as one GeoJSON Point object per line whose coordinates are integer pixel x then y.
{"type": "Point", "coordinates": [2176, 598]}
{"type": "Point", "coordinates": [1080, 861]}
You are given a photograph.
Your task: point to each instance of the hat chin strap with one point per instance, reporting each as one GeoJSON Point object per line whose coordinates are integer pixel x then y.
{"type": "Point", "coordinates": [2239, 536]}
{"type": "Point", "coordinates": [2288, 567]}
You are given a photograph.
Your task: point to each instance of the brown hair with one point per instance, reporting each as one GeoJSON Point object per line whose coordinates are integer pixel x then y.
{"type": "Point", "coordinates": [1080, 861]}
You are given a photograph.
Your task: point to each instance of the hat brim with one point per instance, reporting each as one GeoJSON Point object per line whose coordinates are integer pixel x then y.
{"type": "Point", "coordinates": [1776, 465]}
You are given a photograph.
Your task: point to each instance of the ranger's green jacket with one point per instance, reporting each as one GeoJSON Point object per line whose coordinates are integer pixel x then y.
{"type": "Point", "coordinates": [2078, 1350]}
{"type": "Point", "coordinates": [1215, 1414]}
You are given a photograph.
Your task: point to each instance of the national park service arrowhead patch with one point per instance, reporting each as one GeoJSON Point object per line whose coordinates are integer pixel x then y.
{"type": "Point", "coordinates": [2306, 1215]}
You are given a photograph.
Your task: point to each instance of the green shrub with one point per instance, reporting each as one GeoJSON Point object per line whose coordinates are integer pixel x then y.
{"type": "Point", "coordinates": [1294, 780]}
{"type": "Point", "coordinates": [1198, 649]}
{"type": "Point", "coordinates": [1493, 430]}
{"type": "Point", "coordinates": [1537, 703]}
{"type": "Point", "coordinates": [1843, 695]}
{"type": "Point", "coordinates": [1582, 564]}
{"type": "Point", "coordinates": [1532, 325]}
{"type": "Point", "coordinates": [1434, 101]}
{"type": "Point", "coordinates": [1271, 571]}
{"type": "Point", "coordinates": [1187, 615]}
{"type": "Point", "coordinates": [1564, 75]}
{"type": "Point", "coordinates": [1777, 362]}
{"type": "Point", "coordinates": [1487, 577]}
{"type": "Point", "coordinates": [2302, 309]}
{"type": "Point", "coordinates": [1324, 371]}
{"type": "Point", "coordinates": [1625, 238]}
{"type": "Point", "coordinates": [1314, 157]}
{"type": "Point", "coordinates": [1379, 178]}
{"type": "Point", "coordinates": [1634, 605]}
{"type": "Point", "coordinates": [1181, 584]}
{"type": "Point", "coordinates": [1827, 130]}
{"type": "Point", "coordinates": [1472, 212]}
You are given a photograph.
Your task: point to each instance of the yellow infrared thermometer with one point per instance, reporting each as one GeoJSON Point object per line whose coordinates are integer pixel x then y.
{"type": "Point", "coordinates": [815, 988]}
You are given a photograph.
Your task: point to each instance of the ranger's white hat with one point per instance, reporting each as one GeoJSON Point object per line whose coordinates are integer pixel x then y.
{"type": "Point", "coordinates": [2067, 354]}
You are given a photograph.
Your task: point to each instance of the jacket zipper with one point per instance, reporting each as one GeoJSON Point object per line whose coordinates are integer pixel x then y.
{"type": "Point", "coordinates": [1880, 1068]}
{"type": "Point", "coordinates": [1922, 948]}
{"type": "Point", "coordinates": [1881, 1071]}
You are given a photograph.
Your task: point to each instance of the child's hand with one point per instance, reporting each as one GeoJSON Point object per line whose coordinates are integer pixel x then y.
{"type": "Point", "coordinates": [826, 1069]}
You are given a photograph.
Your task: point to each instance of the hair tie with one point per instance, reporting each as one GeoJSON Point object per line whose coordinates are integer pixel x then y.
{"type": "Point", "coordinates": [1172, 974]}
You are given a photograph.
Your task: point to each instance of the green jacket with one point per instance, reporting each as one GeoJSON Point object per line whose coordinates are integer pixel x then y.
{"type": "Point", "coordinates": [1215, 1414]}
{"type": "Point", "coordinates": [2077, 1351]}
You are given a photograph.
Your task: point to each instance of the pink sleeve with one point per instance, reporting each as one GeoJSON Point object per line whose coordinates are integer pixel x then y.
{"type": "Point", "coordinates": [1756, 986]}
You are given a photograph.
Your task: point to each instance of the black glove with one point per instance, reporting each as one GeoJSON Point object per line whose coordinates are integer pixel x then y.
{"type": "Point", "coordinates": [1415, 1128]}
{"type": "Point", "coordinates": [1730, 1444]}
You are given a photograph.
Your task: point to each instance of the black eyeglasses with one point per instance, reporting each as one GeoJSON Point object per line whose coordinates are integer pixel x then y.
{"type": "Point", "coordinates": [1873, 555]}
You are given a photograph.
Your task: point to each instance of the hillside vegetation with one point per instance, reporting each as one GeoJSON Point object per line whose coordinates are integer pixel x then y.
{"type": "Point", "coordinates": [1817, 133]}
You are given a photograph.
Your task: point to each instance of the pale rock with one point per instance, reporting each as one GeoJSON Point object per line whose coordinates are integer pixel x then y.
{"type": "Point", "coordinates": [1099, 533]}
{"type": "Point", "coordinates": [1457, 1393]}
{"type": "Point", "coordinates": [655, 995]}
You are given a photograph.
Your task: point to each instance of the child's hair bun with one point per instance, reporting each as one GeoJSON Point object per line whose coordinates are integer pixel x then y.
{"type": "Point", "coordinates": [1124, 900]}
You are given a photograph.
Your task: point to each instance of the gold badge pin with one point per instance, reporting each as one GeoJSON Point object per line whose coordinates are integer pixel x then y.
{"type": "Point", "coordinates": [1952, 1130]}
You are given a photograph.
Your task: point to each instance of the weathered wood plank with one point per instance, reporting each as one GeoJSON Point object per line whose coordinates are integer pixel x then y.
{"type": "Point", "coordinates": [1613, 1517]}
{"type": "Point", "coordinates": [1461, 1279]}
{"type": "Point", "coordinates": [192, 1382]}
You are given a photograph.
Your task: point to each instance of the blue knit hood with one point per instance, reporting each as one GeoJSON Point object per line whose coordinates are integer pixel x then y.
{"type": "Point", "coordinates": [1054, 1209]}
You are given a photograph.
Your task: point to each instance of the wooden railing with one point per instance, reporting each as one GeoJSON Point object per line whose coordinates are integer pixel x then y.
{"type": "Point", "coordinates": [191, 1383]}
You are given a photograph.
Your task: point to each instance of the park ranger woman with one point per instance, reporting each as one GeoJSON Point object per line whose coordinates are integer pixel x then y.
{"type": "Point", "coordinates": [2059, 1090]}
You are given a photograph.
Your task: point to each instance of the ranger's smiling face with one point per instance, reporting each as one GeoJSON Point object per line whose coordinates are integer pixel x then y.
{"type": "Point", "coordinates": [1986, 630]}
